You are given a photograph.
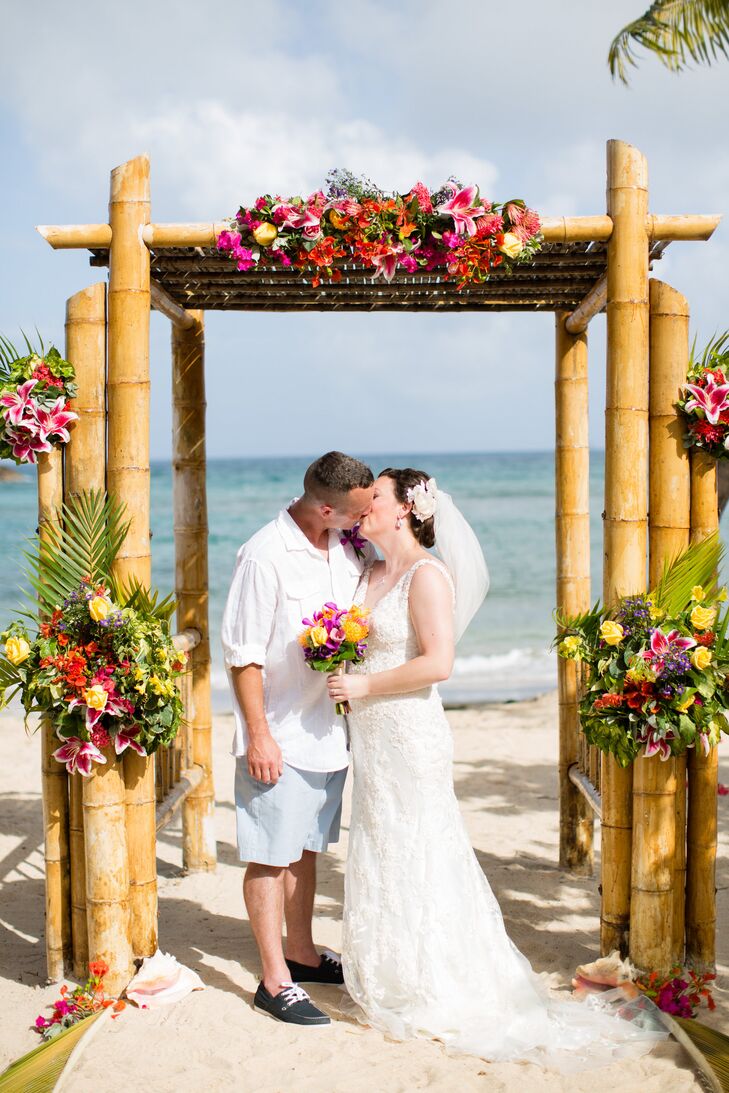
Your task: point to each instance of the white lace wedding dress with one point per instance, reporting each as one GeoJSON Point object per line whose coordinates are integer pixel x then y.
{"type": "Point", "coordinates": [425, 950]}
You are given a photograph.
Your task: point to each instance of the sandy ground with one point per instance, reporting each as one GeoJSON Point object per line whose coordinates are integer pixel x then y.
{"type": "Point", "coordinates": [506, 781]}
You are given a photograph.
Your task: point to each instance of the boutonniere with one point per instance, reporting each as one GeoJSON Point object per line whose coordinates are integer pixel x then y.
{"type": "Point", "coordinates": [355, 540]}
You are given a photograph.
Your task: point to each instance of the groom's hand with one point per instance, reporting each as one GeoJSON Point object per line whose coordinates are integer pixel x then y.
{"type": "Point", "coordinates": [265, 762]}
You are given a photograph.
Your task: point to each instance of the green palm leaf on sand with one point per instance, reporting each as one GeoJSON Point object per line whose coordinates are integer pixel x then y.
{"type": "Point", "coordinates": [708, 1048]}
{"type": "Point", "coordinates": [40, 1069]}
{"type": "Point", "coordinates": [677, 32]}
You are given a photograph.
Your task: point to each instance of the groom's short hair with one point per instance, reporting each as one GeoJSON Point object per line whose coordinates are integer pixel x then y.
{"type": "Point", "coordinates": [334, 474]}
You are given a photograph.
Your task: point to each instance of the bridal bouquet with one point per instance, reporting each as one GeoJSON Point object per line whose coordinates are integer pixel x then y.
{"type": "Point", "coordinates": [34, 394]}
{"type": "Point", "coordinates": [99, 661]}
{"type": "Point", "coordinates": [704, 400]}
{"type": "Point", "coordinates": [656, 665]}
{"type": "Point", "coordinates": [332, 637]}
{"type": "Point", "coordinates": [453, 229]}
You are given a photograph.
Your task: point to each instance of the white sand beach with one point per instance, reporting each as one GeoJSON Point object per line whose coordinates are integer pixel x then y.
{"type": "Point", "coordinates": [506, 780]}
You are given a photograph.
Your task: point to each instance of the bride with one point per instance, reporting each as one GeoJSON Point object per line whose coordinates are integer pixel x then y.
{"type": "Point", "coordinates": [425, 950]}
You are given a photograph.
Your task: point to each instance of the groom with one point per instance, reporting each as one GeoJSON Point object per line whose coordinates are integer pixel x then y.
{"type": "Point", "coordinates": [290, 746]}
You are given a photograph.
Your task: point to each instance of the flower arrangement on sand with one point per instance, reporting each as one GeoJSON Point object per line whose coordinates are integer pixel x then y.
{"type": "Point", "coordinates": [97, 660]}
{"type": "Point", "coordinates": [704, 400]}
{"type": "Point", "coordinates": [656, 665]}
{"type": "Point", "coordinates": [334, 636]}
{"type": "Point", "coordinates": [34, 393]}
{"type": "Point", "coordinates": [680, 993]}
{"type": "Point", "coordinates": [452, 229]}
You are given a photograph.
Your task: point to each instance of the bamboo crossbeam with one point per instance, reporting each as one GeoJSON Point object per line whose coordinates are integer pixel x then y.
{"type": "Point", "coordinates": [572, 531]}
{"type": "Point", "coordinates": [188, 781]}
{"type": "Point", "coordinates": [191, 579]}
{"type": "Point", "coordinates": [591, 305]}
{"type": "Point", "coordinates": [54, 778]}
{"type": "Point", "coordinates": [187, 640]}
{"type": "Point", "coordinates": [555, 229]}
{"type": "Point", "coordinates": [586, 788]}
{"type": "Point", "coordinates": [163, 302]}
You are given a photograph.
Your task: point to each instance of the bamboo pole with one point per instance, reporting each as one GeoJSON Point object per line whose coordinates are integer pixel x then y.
{"type": "Point", "coordinates": [572, 522]}
{"type": "Point", "coordinates": [703, 770]}
{"type": "Point", "coordinates": [107, 871]}
{"type": "Point", "coordinates": [626, 485]}
{"type": "Point", "coordinates": [54, 777]}
{"type": "Point", "coordinates": [163, 302]}
{"type": "Point", "coordinates": [191, 577]}
{"type": "Point", "coordinates": [85, 470]}
{"type": "Point", "coordinates": [657, 910]}
{"type": "Point", "coordinates": [128, 480]}
{"type": "Point", "coordinates": [588, 308]}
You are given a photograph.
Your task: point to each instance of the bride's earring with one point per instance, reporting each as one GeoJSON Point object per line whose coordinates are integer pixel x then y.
{"type": "Point", "coordinates": [398, 523]}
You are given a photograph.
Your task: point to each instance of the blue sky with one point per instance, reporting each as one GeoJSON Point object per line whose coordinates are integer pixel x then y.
{"type": "Point", "coordinates": [233, 99]}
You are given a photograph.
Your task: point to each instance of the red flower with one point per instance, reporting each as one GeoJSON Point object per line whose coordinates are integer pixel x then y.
{"type": "Point", "coordinates": [705, 639]}
{"type": "Point", "coordinates": [710, 434]}
{"type": "Point", "coordinates": [607, 700]}
{"type": "Point", "coordinates": [635, 700]}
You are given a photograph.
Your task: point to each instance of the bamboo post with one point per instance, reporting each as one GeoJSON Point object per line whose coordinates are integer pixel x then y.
{"type": "Point", "coordinates": [54, 777]}
{"type": "Point", "coordinates": [85, 470]}
{"type": "Point", "coordinates": [703, 770]}
{"type": "Point", "coordinates": [668, 531]}
{"type": "Point", "coordinates": [191, 577]}
{"type": "Point", "coordinates": [626, 484]}
{"type": "Point", "coordinates": [572, 502]}
{"type": "Point", "coordinates": [128, 480]}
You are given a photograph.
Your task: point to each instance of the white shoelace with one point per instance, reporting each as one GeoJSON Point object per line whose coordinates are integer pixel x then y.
{"type": "Point", "coordinates": [292, 992]}
{"type": "Point", "coordinates": [333, 958]}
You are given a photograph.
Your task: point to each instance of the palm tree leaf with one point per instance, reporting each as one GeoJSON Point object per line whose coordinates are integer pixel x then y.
{"type": "Point", "coordinates": [697, 565]}
{"type": "Point", "coordinates": [708, 1048]}
{"type": "Point", "coordinates": [41, 1068]}
{"type": "Point", "coordinates": [677, 32]}
{"type": "Point", "coordinates": [143, 599]}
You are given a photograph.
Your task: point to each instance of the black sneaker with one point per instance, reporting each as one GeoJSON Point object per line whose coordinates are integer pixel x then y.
{"type": "Point", "coordinates": [291, 1005]}
{"type": "Point", "coordinates": [329, 970]}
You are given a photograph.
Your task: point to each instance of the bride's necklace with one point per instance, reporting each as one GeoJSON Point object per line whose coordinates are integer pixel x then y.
{"type": "Point", "coordinates": [384, 577]}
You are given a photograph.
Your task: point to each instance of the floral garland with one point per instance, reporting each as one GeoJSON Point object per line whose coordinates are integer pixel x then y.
{"type": "Point", "coordinates": [103, 674]}
{"type": "Point", "coordinates": [656, 673]}
{"type": "Point", "coordinates": [451, 229]}
{"type": "Point", "coordinates": [704, 400]}
{"type": "Point", "coordinates": [34, 394]}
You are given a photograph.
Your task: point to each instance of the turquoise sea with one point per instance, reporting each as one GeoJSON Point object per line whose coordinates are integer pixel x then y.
{"type": "Point", "coordinates": [507, 497]}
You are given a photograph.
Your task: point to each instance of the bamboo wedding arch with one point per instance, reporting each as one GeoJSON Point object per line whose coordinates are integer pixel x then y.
{"type": "Point", "coordinates": [658, 838]}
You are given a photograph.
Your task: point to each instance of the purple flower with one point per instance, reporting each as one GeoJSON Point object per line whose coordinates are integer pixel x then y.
{"type": "Point", "coordinates": [356, 541]}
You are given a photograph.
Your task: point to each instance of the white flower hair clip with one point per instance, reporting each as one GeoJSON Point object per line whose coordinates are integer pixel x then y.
{"type": "Point", "coordinates": [424, 499]}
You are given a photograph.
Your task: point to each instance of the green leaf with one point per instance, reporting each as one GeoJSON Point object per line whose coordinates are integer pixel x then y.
{"type": "Point", "coordinates": [676, 32]}
{"type": "Point", "coordinates": [40, 1070]}
{"type": "Point", "coordinates": [697, 565]}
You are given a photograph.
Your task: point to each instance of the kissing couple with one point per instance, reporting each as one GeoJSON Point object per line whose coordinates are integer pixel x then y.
{"type": "Point", "coordinates": [424, 948]}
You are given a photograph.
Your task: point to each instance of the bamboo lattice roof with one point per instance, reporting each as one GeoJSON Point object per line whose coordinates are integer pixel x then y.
{"type": "Point", "coordinates": [558, 278]}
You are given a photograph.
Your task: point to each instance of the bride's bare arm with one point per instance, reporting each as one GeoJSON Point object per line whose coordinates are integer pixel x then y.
{"type": "Point", "coordinates": [431, 611]}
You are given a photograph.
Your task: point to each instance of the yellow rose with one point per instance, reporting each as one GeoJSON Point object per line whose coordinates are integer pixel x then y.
{"type": "Point", "coordinates": [656, 612]}
{"type": "Point", "coordinates": [319, 635]}
{"type": "Point", "coordinates": [570, 645]}
{"type": "Point", "coordinates": [512, 245]}
{"type": "Point", "coordinates": [337, 220]}
{"type": "Point", "coordinates": [100, 608]}
{"type": "Point", "coordinates": [265, 234]}
{"type": "Point", "coordinates": [17, 650]}
{"type": "Point", "coordinates": [96, 697]}
{"type": "Point", "coordinates": [701, 658]}
{"type": "Point", "coordinates": [611, 632]}
{"type": "Point", "coordinates": [703, 617]}
{"type": "Point", "coordinates": [697, 593]}
{"type": "Point", "coordinates": [686, 702]}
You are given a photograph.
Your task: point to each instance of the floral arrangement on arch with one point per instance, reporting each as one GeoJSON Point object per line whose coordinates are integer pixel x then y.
{"type": "Point", "coordinates": [452, 229]}
{"type": "Point", "coordinates": [656, 665]}
{"type": "Point", "coordinates": [98, 660]}
{"type": "Point", "coordinates": [704, 399]}
{"type": "Point", "coordinates": [34, 394]}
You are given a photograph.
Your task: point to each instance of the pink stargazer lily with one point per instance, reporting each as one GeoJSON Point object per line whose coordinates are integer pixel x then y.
{"type": "Point", "coordinates": [18, 402]}
{"type": "Point", "coordinates": [661, 644]}
{"type": "Point", "coordinates": [463, 208]}
{"type": "Point", "coordinates": [386, 263]}
{"type": "Point", "coordinates": [78, 755]}
{"type": "Point", "coordinates": [53, 422]}
{"type": "Point", "coordinates": [126, 738]}
{"type": "Point", "coordinates": [27, 440]}
{"type": "Point", "coordinates": [656, 746]}
{"type": "Point", "coordinates": [712, 399]}
{"type": "Point", "coordinates": [112, 707]}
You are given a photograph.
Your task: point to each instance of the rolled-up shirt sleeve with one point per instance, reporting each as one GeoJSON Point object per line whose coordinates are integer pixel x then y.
{"type": "Point", "coordinates": [249, 613]}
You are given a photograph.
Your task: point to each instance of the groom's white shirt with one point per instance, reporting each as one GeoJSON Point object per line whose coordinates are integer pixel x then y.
{"type": "Point", "coordinates": [279, 579]}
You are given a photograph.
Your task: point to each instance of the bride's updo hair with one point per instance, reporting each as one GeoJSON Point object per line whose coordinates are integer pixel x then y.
{"type": "Point", "coordinates": [404, 480]}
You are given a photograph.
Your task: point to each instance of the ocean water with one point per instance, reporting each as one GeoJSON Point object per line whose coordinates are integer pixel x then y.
{"type": "Point", "coordinates": [507, 497]}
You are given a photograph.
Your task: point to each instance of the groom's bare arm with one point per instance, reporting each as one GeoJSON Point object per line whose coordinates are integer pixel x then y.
{"type": "Point", "coordinates": [265, 762]}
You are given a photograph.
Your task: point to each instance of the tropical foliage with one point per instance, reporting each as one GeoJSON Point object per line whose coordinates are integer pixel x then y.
{"type": "Point", "coordinates": [678, 32]}
{"type": "Point", "coordinates": [656, 665]}
{"type": "Point", "coordinates": [34, 393]}
{"type": "Point", "coordinates": [452, 229]}
{"type": "Point", "coordinates": [704, 400]}
{"type": "Point", "coordinates": [97, 658]}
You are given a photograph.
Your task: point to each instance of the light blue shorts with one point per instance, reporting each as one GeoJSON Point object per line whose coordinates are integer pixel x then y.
{"type": "Point", "coordinates": [277, 823]}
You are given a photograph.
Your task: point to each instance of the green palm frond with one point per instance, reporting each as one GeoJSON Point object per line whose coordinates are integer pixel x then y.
{"type": "Point", "coordinates": [708, 1047]}
{"type": "Point", "coordinates": [586, 623]}
{"type": "Point", "coordinates": [137, 596]}
{"type": "Point", "coordinates": [93, 532]}
{"type": "Point", "coordinates": [41, 1068]}
{"type": "Point", "coordinates": [715, 353]}
{"type": "Point", "coordinates": [697, 565]}
{"type": "Point", "coordinates": [677, 32]}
